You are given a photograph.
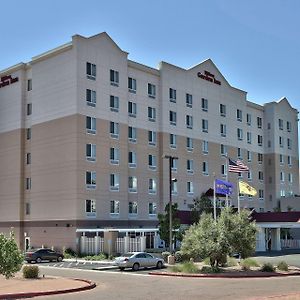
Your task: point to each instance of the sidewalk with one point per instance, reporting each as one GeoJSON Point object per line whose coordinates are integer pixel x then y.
{"type": "Point", "coordinates": [17, 286]}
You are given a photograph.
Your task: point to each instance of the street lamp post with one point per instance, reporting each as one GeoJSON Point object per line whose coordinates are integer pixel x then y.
{"type": "Point", "coordinates": [171, 159]}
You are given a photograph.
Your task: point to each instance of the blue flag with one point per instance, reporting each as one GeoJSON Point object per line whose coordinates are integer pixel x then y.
{"type": "Point", "coordinates": [223, 187]}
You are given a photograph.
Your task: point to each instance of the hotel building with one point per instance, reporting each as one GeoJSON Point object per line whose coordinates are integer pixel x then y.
{"type": "Point", "coordinates": [83, 133]}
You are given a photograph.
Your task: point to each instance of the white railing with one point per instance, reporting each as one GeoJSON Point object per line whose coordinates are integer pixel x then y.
{"type": "Point", "coordinates": [134, 244]}
{"type": "Point", "coordinates": [89, 246]}
{"type": "Point", "coordinates": [292, 244]}
{"type": "Point", "coordinates": [120, 245]}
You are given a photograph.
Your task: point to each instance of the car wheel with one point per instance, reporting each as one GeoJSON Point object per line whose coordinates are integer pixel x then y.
{"type": "Point", "coordinates": [135, 267]}
{"type": "Point", "coordinates": [38, 260]}
{"type": "Point", "coordinates": [59, 259]}
{"type": "Point", "coordinates": [122, 268]}
{"type": "Point", "coordinates": [159, 265]}
{"type": "Point", "coordinates": [28, 261]}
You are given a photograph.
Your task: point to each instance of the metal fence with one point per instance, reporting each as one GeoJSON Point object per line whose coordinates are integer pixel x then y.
{"type": "Point", "coordinates": [291, 244]}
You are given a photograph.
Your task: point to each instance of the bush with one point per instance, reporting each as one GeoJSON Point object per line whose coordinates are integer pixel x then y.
{"type": "Point", "coordinates": [165, 255]}
{"type": "Point", "coordinates": [282, 266]}
{"type": "Point", "coordinates": [267, 267]}
{"type": "Point", "coordinates": [180, 257]}
{"type": "Point", "coordinates": [70, 252]}
{"type": "Point", "coordinates": [187, 267]}
{"type": "Point", "coordinates": [30, 271]}
{"type": "Point", "coordinates": [231, 262]}
{"type": "Point", "coordinates": [206, 261]}
{"type": "Point", "coordinates": [247, 263]}
{"type": "Point", "coordinates": [100, 256]}
{"type": "Point", "coordinates": [209, 269]}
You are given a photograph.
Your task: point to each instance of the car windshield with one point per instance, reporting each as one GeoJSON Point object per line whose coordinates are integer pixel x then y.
{"type": "Point", "coordinates": [127, 254]}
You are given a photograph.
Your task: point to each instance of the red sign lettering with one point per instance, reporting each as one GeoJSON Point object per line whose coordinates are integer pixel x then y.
{"type": "Point", "coordinates": [209, 77]}
{"type": "Point", "coordinates": [7, 80]}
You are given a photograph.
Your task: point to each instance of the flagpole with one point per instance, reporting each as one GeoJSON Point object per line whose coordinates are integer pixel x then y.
{"type": "Point", "coordinates": [227, 203]}
{"type": "Point", "coordinates": [215, 204]}
{"type": "Point", "coordinates": [238, 194]}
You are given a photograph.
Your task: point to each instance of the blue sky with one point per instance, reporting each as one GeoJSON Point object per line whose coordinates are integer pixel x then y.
{"type": "Point", "coordinates": [255, 44]}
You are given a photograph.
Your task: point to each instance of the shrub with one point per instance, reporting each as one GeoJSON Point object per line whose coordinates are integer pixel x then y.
{"type": "Point", "coordinates": [247, 263]}
{"type": "Point", "coordinates": [70, 252]}
{"type": "Point", "coordinates": [100, 256]}
{"type": "Point", "coordinates": [282, 266]}
{"type": "Point", "coordinates": [30, 271]}
{"type": "Point", "coordinates": [180, 257]}
{"type": "Point", "coordinates": [187, 267]}
{"type": "Point", "coordinates": [206, 261]}
{"type": "Point", "coordinates": [209, 269]}
{"type": "Point", "coordinates": [267, 267]}
{"type": "Point", "coordinates": [231, 262]}
{"type": "Point", "coordinates": [165, 255]}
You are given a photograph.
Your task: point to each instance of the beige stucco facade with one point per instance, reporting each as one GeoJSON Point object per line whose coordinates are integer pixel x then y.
{"type": "Point", "coordinates": [43, 159]}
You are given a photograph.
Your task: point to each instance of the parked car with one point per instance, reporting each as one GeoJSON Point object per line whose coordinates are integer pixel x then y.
{"type": "Point", "coordinates": [43, 254]}
{"type": "Point", "coordinates": [136, 260]}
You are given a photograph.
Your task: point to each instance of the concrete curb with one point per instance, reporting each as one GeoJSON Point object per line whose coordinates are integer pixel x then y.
{"type": "Point", "coordinates": [90, 286]}
{"type": "Point", "coordinates": [226, 275]}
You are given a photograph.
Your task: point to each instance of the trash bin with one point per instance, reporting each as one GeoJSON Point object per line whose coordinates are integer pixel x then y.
{"type": "Point", "coordinates": [171, 260]}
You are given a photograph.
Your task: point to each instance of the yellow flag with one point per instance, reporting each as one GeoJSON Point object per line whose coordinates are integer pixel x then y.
{"type": "Point", "coordinates": [247, 189]}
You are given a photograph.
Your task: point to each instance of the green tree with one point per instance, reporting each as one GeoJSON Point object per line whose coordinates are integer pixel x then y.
{"type": "Point", "coordinates": [231, 232]}
{"type": "Point", "coordinates": [164, 224]}
{"type": "Point", "coordinates": [11, 258]}
{"type": "Point", "coordinates": [202, 205]}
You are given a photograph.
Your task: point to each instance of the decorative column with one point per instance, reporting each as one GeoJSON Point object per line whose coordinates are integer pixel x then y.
{"type": "Point", "coordinates": [97, 243]}
{"type": "Point", "coordinates": [82, 243]}
{"type": "Point", "coordinates": [260, 239]}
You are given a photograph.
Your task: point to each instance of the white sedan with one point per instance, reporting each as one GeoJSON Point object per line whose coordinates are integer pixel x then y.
{"type": "Point", "coordinates": [136, 260]}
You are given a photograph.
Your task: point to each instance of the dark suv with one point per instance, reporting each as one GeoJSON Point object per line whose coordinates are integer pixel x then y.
{"type": "Point", "coordinates": [43, 254]}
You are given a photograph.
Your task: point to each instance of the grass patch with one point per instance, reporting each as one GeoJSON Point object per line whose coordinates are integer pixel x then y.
{"type": "Point", "coordinates": [231, 262]}
{"type": "Point", "coordinates": [100, 256]}
{"type": "Point", "coordinates": [209, 270]}
{"type": "Point", "coordinates": [186, 267]}
{"type": "Point", "coordinates": [282, 266]}
{"type": "Point", "coordinates": [267, 267]}
{"type": "Point", "coordinates": [247, 263]}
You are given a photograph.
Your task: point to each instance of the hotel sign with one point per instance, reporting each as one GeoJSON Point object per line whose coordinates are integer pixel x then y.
{"type": "Point", "coordinates": [209, 77]}
{"type": "Point", "coordinates": [7, 80]}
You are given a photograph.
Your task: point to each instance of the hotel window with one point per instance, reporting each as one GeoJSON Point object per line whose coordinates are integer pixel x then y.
{"type": "Point", "coordinates": [205, 168]}
{"type": "Point", "coordinates": [223, 130]}
{"type": "Point", "coordinates": [281, 142]}
{"type": "Point", "coordinates": [290, 178]}
{"type": "Point", "coordinates": [174, 188]}
{"type": "Point", "coordinates": [29, 85]}
{"type": "Point", "coordinates": [91, 125]}
{"type": "Point", "coordinates": [289, 143]}
{"type": "Point", "coordinates": [204, 104]}
{"type": "Point", "coordinates": [114, 130]}
{"type": "Point", "coordinates": [132, 184]}
{"type": "Point", "coordinates": [282, 193]}
{"type": "Point", "coordinates": [190, 188]}
{"type": "Point", "coordinates": [189, 100]}
{"type": "Point", "coordinates": [131, 159]}
{"type": "Point", "coordinates": [28, 133]}
{"type": "Point", "coordinates": [173, 140]}
{"type": "Point", "coordinates": [259, 122]}
{"type": "Point", "coordinates": [189, 144]}
{"type": "Point", "coordinates": [151, 90]}
{"type": "Point", "coordinates": [152, 210]}
{"type": "Point", "coordinates": [189, 121]}
{"type": "Point", "coordinates": [90, 71]}
{"type": "Point", "coordinates": [259, 158]}
{"type": "Point", "coordinates": [132, 109]}
{"type": "Point", "coordinates": [90, 179]}
{"type": "Point", "coordinates": [114, 77]}
{"type": "Point", "coordinates": [259, 140]}
{"type": "Point", "coordinates": [174, 163]}
{"type": "Point", "coordinates": [90, 152]}
{"type": "Point", "coordinates": [240, 134]}
{"type": "Point", "coordinates": [114, 156]}
{"type": "Point", "coordinates": [132, 208]}
{"type": "Point", "coordinates": [151, 114]}
{"type": "Point", "coordinates": [204, 125]}
{"type": "Point", "coordinates": [280, 124]}
{"type": "Point", "coordinates": [249, 156]}
{"type": "Point", "coordinates": [282, 176]}
{"type": "Point", "coordinates": [249, 138]}
{"type": "Point", "coordinates": [28, 158]}
{"type": "Point", "coordinates": [281, 159]}
{"type": "Point", "coordinates": [114, 103]}
{"type": "Point", "coordinates": [223, 170]}
{"type": "Point", "coordinates": [132, 134]}
{"type": "Point", "coordinates": [90, 98]}
{"type": "Point", "coordinates": [131, 85]}
{"type": "Point", "coordinates": [260, 175]}
{"type": "Point", "coordinates": [223, 150]}
{"type": "Point", "coordinates": [261, 194]}
{"type": "Point", "coordinates": [239, 115]}
{"type": "Point", "coordinates": [172, 95]}
{"type": "Point", "coordinates": [27, 208]}
{"type": "Point", "coordinates": [222, 110]}
{"type": "Point", "coordinates": [28, 183]}
{"type": "Point", "coordinates": [269, 126]}
{"type": "Point", "coordinates": [152, 162]}
{"type": "Point", "coordinates": [190, 166]}
{"type": "Point", "coordinates": [29, 109]}
{"type": "Point", "coordinates": [269, 144]}
{"type": "Point", "coordinates": [152, 186]}
{"type": "Point", "coordinates": [205, 147]}
{"type": "Point", "coordinates": [249, 119]}
{"type": "Point", "coordinates": [114, 207]}
{"type": "Point", "coordinates": [114, 183]}
{"type": "Point", "coordinates": [172, 117]}
{"type": "Point", "coordinates": [239, 153]}
{"type": "Point", "coordinates": [288, 126]}
{"type": "Point", "coordinates": [152, 138]}
{"type": "Point", "coordinates": [289, 160]}
{"type": "Point", "coordinates": [90, 207]}
{"type": "Point", "coordinates": [249, 175]}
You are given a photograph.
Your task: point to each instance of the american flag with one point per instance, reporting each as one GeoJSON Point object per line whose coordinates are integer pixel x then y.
{"type": "Point", "coordinates": [237, 166]}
